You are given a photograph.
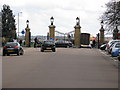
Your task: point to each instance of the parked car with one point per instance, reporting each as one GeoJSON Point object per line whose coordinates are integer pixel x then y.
{"type": "Point", "coordinates": [63, 43]}
{"type": "Point", "coordinates": [48, 45]}
{"type": "Point", "coordinates": [110, 44]}
{"type": "Point", "coordinates": [115, 49]}
{"type": "Point", "coordinates": [102, 47]}
{"type": "Point", "coordinates": [12, 48]}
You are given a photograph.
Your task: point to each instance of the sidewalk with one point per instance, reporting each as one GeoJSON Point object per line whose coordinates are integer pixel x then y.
{"type": "Point", "coordinates": [0, 51]}
{"type": "Point", "coordinates": [113, 60]}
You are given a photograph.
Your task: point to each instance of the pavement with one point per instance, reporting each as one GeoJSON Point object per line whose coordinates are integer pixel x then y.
{"type": "Point", "coordinates": [113, 60]}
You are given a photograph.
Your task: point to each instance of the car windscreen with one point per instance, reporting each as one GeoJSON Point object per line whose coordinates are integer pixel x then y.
{"type": "Point", "coordinates": [48, 42]}
{"type": "Point", "coordinates": [117, 45]}
{"type": "Point", "coordinates": [11, 44]}
{"type": "Point", "coordinates": [112, 43]}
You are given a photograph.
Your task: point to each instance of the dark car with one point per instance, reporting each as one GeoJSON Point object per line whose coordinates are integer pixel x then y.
{"type": "Point", "coordinates": [48, 45]}
{"type": "Point", "coordinates": [103, 47]}
{"type": "Point", "coordinates": [12, 48]}
{"type": "Point", "coordinates": [63, 43]}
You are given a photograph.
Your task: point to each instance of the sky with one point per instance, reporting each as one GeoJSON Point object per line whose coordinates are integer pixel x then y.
{"type": "Point", "coordinates": [38, 12]}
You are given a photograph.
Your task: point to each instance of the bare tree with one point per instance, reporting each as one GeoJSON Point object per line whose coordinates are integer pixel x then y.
{"type": "Point", "coordinates": [111, 16]}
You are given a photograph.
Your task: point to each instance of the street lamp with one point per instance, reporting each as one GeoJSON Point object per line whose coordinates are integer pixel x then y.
{"type": "Point", "coordinates": [52, 20]}
{"type": "Point", "coordinates": [27, 22]}
{"type": "Point", "coordinates": [77, 21]}
{"type": "Point", "coordinates": [102, 23]}
{"type": "Point", "coordinates": [18, 23]}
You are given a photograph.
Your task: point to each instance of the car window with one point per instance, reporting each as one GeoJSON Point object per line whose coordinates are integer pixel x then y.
{"type": "Point", "coordinates": [117, 45]}
{"type": "Point", "coordinates": [48, 42]}
{"type": "Point", "coordinates": [11, 44]}
{"type": "Point", "coordinates": [112, 43]}
{"type": "Point", "coordinates": [60, 41]}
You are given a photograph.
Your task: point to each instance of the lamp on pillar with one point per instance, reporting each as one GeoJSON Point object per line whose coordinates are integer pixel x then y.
{"type": "Point", "coordinates": [52, 20]}
{"type": "Point", "coordinates": [27, 22]}
{"type": "Point", "coordinates": [52, 29]}
{"type": "Point", "coordinates": [77, 33]}
{"type": "Point", "coordinates": [27, 35]}
{"type": "Point", "coordinates": [101, 33]}
{"type": "Point", "coordinates": [102, 23]}
{"type": "Point", "coordinates": [77, 21]}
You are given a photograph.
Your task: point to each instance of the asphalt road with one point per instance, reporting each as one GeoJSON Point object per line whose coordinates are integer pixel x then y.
{"type": "Point", "coordinates": [65, 68]}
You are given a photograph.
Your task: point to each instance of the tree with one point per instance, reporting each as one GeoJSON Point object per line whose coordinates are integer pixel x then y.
{"type": "Point", "coordinates": [111, 16]}
{"type": "Point", "coordinates": [8, 24]}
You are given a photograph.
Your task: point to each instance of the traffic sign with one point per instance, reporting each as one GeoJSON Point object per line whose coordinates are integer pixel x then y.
{"type": "Point", "coordinates": [23, 32]}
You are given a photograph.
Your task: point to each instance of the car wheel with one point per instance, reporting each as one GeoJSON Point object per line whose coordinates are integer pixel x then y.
{"type": "Point", "coordinates": [42, 50]}
{"type": "Point", "coordinates": [18, 53]}
{"type": "Point", "coordinates": [68, 46]}
{"type": "Point", "coordinates": [21, 52]}
{"type": "Point", "coordinates": [3, 54]}
{"type": "Point", "coordinates": [53, 50]}
{"type": "Point", "coordinates": [109, 52]}
{"type": "Point", "coordinates": [119, 58]}
{"type": "Point", "coordinates": [8, 54]}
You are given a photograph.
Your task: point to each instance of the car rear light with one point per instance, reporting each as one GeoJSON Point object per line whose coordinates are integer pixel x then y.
{"type": "Point", "coordinates": [16, 47]}
{"type": "Point", "coordinates": [4, 47]}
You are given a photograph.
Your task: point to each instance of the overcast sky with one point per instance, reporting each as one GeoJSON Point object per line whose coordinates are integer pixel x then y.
{"type": "Point", "coordinates": [38, 12]}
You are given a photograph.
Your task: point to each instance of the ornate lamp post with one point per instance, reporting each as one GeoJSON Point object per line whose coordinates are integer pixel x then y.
{"type": "Point", "coordinates": [27, 23]}
{"type": "Point", "coordinates": [77, 21]}
{"type": "Point", "coordinates": [102, 33]}
{"type": "Point", "coordinates": [52, 20]}
{"type": "Point", "coordinates": [27, 35]}
{"type": "Point", "coordinates": [18, 23]}
{"type": "Point", "coordinates": [52, 29]}
{"type": "Point", "coordinates": [77, 33]}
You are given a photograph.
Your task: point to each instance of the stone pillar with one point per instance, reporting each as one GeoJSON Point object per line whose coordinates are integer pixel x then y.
{"type": "Point", "coordinates": [27, 37]}
{"type": "Point", "coordinates": [52, 31]}
{"type": "Point", "coordinates": [77, 36]}
{"type": "Point", "coordinates": [102, 35]}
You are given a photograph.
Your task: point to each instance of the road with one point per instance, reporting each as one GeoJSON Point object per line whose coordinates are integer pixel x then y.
{"type": "Point", "coordinates": [65, 68]}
